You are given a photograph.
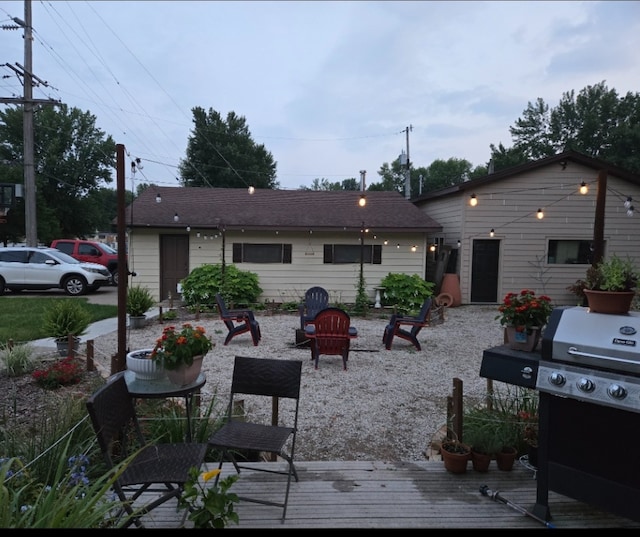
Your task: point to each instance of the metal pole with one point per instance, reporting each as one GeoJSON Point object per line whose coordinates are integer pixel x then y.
{"type": "Point", "coordinates": [495, 496]}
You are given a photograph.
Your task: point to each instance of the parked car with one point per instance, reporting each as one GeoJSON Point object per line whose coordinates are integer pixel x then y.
{"type": "Point", "coordinates": [91, 252]}
{"type": "Point", "coordinates": [29, 268]}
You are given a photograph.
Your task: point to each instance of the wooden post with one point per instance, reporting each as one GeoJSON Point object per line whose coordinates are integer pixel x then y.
{"type": "Point", "coordinates": [274, 420]}
{"type": "Point", "coordinates": [457, 408]}
{"type": "Point", "coordinates": [598, 222]}
{"type": "Point", "coordinates": [90, 365]}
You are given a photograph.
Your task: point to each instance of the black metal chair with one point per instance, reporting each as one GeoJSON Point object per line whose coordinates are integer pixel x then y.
{"type": "Point", "coordinates": [238, 321]}
{"type": "Point", "coordinates": [315, 300]}
{"type": "Point", "coordinates": [394, 328]}
{"type": "Point", "coordinates": [273, 379]}
{"type": "Point", "coordinates": [162, 469]}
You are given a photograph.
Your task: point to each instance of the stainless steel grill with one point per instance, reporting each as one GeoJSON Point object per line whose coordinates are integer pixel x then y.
{"type": "Point", "coordinates": [588, 378]}
{"type": "Point", "coordinates": [592, 357]}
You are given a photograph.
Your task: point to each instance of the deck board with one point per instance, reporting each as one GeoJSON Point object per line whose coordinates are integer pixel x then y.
{"type": "Point", "coordinates": [370, 494]}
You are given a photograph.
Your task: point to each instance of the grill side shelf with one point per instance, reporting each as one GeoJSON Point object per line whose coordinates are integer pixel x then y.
{"type": "Point", "coordinates": [511, 366]}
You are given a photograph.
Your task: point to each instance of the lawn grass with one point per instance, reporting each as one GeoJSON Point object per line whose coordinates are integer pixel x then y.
{"type": "Point", "coordinates": [21, 318]}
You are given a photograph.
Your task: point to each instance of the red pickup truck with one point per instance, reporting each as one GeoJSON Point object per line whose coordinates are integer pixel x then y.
{"type": "Point", "coordinates": [94, 252]}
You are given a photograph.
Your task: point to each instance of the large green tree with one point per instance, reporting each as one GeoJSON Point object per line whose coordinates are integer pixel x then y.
{"type": "Point", "coordinates": [221, 153]}
{"type": "Point", "coordinates": [596, 121]}
{"type": "Point", "coordinates": [72, 158]}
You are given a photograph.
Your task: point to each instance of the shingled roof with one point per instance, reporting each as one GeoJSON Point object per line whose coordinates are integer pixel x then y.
{"type": "Point", "coordinates": [266, 209]}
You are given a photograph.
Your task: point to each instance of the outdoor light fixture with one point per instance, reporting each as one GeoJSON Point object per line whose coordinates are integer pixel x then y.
{"type": "Point", "coordinates": [583, 188]}
{"type": "Point", "coordinates": [459, 243]}
{"type": "Point", "coordinates": [188, 229]}
{"type": "Point", "coordinates": [473, 201]}
{"type": "Point", "coordinates": [251, 190]}
{"type": "Point", "coordinates": [362, 201]}
{"type": "Point", "coordinates": [492, 232]}
{"type": "Point", "coordinates": [414, 248]}
{"type": "Point", "coordinates": [158, 198]}
{"type": "Point", "coordinates": [432, 248]}
{"type": "Point", "coordinates": [630, 210]}
{"type": "Point", "coordinates": [540, 214]}
{"type": "Point", "coordinates": [627, 202]}
{"type": "Point", "coordinates": [176, 218]}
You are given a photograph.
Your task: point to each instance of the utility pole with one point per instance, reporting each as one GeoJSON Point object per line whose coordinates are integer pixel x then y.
{"type": "Point", "coordinates": [407, 172]}
{"type": "Point", "coordinates": [31, 225]}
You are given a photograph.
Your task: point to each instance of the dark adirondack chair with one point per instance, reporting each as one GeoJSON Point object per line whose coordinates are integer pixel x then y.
{"type": "Point", "coordinates": [331, 333]}
{"type": "Point", "coordinates": [413, 324]}
{"type": "Point", "coordinates": [315, 299]}
{"type": "Point", "coordinates": [238, 321]}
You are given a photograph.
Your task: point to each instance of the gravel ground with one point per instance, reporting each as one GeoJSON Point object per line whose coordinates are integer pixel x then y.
{"type": "Point", "coordinates": [389, 405]}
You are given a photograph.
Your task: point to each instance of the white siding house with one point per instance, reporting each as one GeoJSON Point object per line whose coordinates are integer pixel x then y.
{"type": "Point", "coordinates": [548, 254]}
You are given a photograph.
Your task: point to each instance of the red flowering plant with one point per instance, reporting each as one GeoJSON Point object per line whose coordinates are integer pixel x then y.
{"type": "Point", "coordinates": [61, 373]}
{"type": "Point", "coordinates": [525, 310]}
{"type": "Point", "coordinates": [175, 348]}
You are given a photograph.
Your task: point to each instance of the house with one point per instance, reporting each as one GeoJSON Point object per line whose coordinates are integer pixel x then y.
{"type": "Point", "coordinates": [292, 239]}
{"type": "Point", "coordinates": [500, 244]}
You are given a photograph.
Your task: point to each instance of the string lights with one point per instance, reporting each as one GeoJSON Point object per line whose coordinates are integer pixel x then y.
{"type": "Point", "coordinates": [473, 201]}
{"type": "Point", "coordinates": [584, 189]}
{"type": "Point", "coordinates": [540, 214]}
{"type": "Point", "coordinates": [492, 232]}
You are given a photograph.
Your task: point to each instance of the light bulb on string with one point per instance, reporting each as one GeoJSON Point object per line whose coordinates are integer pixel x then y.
{"type": "Point", "coordinates": [630, 210]}
{"type": "Point", "coordinates": [473, 201]}
{"type": "Point", "coordinates": [540, 214]}
{"type": "Point", "coordinates": [583, 188]}
{"type": "Point", "coordinates": [627, 202]}
{"type": "Point", "coordinates": [492, 232]}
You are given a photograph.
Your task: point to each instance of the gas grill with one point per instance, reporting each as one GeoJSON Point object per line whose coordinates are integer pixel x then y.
{"type": "Point", "coordinates": [588, 378]}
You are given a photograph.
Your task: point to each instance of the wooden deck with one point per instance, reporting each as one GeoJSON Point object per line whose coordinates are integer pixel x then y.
{"type": "Point", "coordinates": [355, 494]}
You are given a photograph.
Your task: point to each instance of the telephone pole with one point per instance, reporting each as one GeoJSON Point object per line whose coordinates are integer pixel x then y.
{"type": "Point", "coordinates": [31, 226]}
{"type": "Point", "coordinates": [407, 172]}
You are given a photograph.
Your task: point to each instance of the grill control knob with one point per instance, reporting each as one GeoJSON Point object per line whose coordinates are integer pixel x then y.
{"type": "Point", "coordinates": [616, 391]}
{"type": "Point", "coordinates": [586, 385]}
{"type": "Point", "coordinates": [557, 379]}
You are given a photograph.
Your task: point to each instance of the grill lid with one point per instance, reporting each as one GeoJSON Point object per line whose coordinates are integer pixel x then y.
{"type": "Point", "coordinates": [600, 340]}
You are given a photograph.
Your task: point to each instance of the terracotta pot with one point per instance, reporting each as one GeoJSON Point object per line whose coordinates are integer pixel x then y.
{"type": "Point", "coordinates": [506, 457]}
{"type": "Point", "coordinates": [521, 339]}
{"type": "Point", "coordinates": [184, 375]}
{"type": "Point", "coordinates": [480, 461]}
{"type": "Point", "coordinates": [617, 302]}
{"type": "Point", "coordinates": [455, 462]}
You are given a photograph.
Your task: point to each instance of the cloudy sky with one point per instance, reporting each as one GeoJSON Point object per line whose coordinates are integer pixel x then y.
{"type": "Point", "coordinates": [330, 88]}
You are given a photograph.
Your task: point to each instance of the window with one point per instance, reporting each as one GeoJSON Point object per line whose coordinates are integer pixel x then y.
{"type": "Point", "coordinates": [244, 252]}
{"type": "Point", "coordinates": [337, 254]}
{"type": "Point", "coordinates": [569, 252]}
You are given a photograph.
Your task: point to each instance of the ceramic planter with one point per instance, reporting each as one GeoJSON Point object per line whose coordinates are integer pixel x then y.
{"type": "Point", "coordinates": [144, 367]}
{"type": "Point", "coordinates": [184, 374]}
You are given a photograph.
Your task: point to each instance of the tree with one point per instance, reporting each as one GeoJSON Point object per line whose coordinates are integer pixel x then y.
{"type": "Point", "coordinates": [325, 184]}
{"type": "Point", "coordinates": [222, 154]}
{"type": "Point", "coordinates": [72, 159]}
{"type": "Point", "coordinates": [596, 122]}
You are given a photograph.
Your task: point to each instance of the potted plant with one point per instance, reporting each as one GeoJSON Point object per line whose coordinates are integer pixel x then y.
{"type": "Point", "coordinates": [481, 432]}
{"type": "Point", "coordinates": [181, 352]}
{"type": "Point", "coordinates": [523, 315]}
{"type": "Point", "coordinates": [139, 301]}
{"type": "Point", "coordinates": [455, 455]}
{"type": "Point", "coordinates": [64, 318]}
{"type": "Point", "coordinates": [610, 285]}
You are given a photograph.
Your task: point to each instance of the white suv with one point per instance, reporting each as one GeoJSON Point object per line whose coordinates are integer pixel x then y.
{"type": "Point", "coordinates": [29, 268]}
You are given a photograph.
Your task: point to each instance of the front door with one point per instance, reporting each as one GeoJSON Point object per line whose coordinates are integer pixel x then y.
{"type": "Point", "coordinates": [484, 271]}
{"type": "Point", "coordinates": [174, 263]}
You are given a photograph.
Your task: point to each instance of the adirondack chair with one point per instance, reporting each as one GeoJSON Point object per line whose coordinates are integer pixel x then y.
{"type": "Point", "coordinates": [238, 321]}
{"type": "Point", "coordinates": [331, 333]}
{"type": "Point", "coordinates": [394, 328]}
{"type": "Point", "coordinates": [315, 299]}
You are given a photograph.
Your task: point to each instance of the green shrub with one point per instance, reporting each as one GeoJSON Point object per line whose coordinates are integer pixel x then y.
{"type": "Point", "coordinates": [139, 300]}
{"type": "Point", "coordinates": [407, 293]}
{"type": "Point", "coordinates": [66, 317]}
{"type": "Point", "coordinates": [17, 359]}
{"type": "Point", "coordinates": [239, 288]}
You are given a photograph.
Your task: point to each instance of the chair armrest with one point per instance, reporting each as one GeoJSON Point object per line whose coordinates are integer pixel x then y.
{"type": "Point", "coordinates": [310, 330]}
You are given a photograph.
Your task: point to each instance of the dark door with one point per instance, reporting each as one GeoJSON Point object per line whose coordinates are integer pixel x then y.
{"type": "Point", "coordinates": [484, 271]}
{"type": "Point", "coordinates": [174, 263]}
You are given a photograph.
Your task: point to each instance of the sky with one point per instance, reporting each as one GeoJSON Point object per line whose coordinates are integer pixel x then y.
{"type": "Point", "coordinates": [330, 88]}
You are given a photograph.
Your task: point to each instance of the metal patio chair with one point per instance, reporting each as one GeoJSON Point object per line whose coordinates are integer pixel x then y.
{"type": "Point", "coordinates": [161, 469]}
{"type": "Point", "coordinates": [272, 380]}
